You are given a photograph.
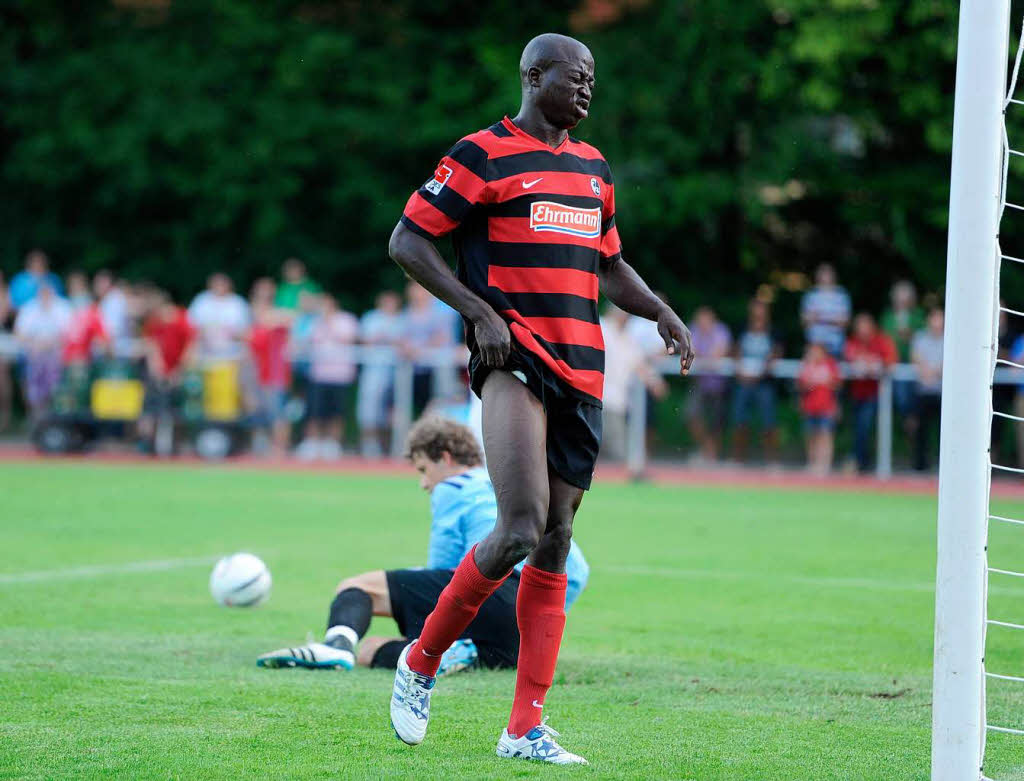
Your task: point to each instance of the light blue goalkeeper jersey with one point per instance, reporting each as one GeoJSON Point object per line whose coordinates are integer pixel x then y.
{"type": "Point", "coordinates": [464, 512]}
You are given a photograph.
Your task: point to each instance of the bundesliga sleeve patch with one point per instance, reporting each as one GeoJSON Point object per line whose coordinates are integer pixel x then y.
{"type": "Point", "coordinates": [441, 177]}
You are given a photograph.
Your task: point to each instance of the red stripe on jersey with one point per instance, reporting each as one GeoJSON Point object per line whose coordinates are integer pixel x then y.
{"type": "Point", "coordinates": [428, 216]}
{"type": "Point", "coordinates": [518, 229]}
{"type": "Point", "coordinates": [561, 330]}
{"type": "Point", "coordinates": [482, 138]}
{"type": "Point", "coordinates": [501, 146]}
{"type": "Point", "coordinates": [464, 182]}
{"type": "Point", "coordinates": [521, 141]}
{"type": "Point", "coordinates": [610, 243]}
{"type": "Point", "coordinates": [608, 193]}
{"type": "Point", "coordinates": [542, 181]}
{"type": "Point", "coordinates": [564, 281]}
{"type": "Point", "coordinates": [586, 380]}
{"type": "Point", "coordinates": [584, 150]}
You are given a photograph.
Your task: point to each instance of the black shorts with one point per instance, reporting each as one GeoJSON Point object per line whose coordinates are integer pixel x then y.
{"type": "Point", "coordinates": [494, 631]}
{"type": "Point", "coordinates": [326, 400]}
{"type": "Point", "coordinates": [574, 425]}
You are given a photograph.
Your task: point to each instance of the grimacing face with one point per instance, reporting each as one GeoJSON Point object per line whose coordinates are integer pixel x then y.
{"type": "Point", "coordinates": [565, 90]}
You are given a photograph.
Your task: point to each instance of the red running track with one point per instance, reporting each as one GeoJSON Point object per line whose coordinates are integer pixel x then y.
{"type": "Point", "coordinates": [664, 474]}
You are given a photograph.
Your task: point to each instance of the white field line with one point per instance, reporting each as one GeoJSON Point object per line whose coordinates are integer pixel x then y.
{"type": "Point", "coordinates": [102, 570]}
{"type": "Point", "coordinates": [875, 584]}
{"type": "Point", "coordinates": [162, 565]}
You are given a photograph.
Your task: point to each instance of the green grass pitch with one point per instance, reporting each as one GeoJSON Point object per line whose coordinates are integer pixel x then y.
{"type": "Point", "coordinates": [726, 633]}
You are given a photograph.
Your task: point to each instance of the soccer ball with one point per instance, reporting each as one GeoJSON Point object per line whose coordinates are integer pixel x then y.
{"type": "Point", "coordinates": [240, 580]}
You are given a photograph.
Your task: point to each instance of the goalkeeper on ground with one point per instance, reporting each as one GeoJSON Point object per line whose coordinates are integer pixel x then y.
{"type": "Point", "coordinates": [463, 509]}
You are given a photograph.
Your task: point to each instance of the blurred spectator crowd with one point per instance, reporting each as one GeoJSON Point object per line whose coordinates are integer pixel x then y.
{"type": "Point", "coordinates": [289, 347]}
{"type": "Point", "coordinates": [739, 375]}
{"type": "Point", "coordinates": [304, 366]}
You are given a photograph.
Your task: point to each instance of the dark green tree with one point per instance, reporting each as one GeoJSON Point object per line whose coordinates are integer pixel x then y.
{"type": "Point", "coordinates": [749, 141]}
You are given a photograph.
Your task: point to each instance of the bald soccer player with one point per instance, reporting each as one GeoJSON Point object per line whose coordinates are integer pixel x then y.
{"type": "Point", "coordinates": [532, 217]}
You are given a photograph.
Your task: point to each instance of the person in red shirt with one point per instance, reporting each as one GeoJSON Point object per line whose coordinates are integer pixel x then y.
{"type": "Point", "coordinates": [531, 212]}
{"type": "Point", "coordinates": [85, 331]}
{"type": "Point", "coordinates": [168, 337]}
{"type": "Point", "coordinates": [84, 337]}
{"type": "Point", "coordinates": [869, 353]}
{"type": "Point", "coordinates": [818, 381]}
{"type": "Point", "coordinates": [268, 346]}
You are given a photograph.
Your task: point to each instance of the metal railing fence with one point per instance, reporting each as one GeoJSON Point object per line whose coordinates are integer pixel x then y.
{"type": "Point", "coordinates": [453, 359]}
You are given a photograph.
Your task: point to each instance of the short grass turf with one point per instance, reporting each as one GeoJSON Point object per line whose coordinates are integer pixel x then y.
{"type": "Point", "coordinates": [726, 633]}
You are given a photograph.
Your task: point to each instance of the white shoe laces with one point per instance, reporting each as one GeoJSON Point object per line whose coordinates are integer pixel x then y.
{"type": "Point", "coordinates": [547, 729]}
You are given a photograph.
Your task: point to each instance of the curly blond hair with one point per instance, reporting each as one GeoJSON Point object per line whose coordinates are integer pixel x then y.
{"type": "Point", "coordinates": [433, 435]}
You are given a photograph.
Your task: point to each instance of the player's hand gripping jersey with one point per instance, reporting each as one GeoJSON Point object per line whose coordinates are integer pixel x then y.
{"type": "Point", "coordinates": [531, 226]}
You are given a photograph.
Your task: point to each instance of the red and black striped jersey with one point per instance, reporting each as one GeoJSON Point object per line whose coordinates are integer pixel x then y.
{"type": "Point", "coordinates": [530, 224]}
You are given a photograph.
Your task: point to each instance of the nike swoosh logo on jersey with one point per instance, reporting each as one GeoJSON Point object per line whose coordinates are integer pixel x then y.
{"type": "Point", "coordinates": [537, 704]}
{"type": "Point", "coordinates": [528, 185]}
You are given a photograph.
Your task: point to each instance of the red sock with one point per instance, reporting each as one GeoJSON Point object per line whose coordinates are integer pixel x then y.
{"type": "Point", "coordinates": [456, 607]}
{"type": "Point", "coordinates": [540, 611]}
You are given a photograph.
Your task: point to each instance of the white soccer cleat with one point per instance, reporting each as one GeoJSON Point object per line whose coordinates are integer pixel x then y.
{"type": "Point", "coordinates": [410, 702]}
{"type": "Point", "coordinates": [537, 744]}
{"type": "Point", "coordinates": [313, 655]}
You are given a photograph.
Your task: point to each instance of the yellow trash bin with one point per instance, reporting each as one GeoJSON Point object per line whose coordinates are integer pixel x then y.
{"type": "Point", "coordinates": [116, 399]}
{"type": "Point", "coordinates": [222, 397]}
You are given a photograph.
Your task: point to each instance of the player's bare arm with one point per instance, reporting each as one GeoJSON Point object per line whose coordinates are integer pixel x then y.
{"type": "Point", "coordinates": [421, 261]}
{"type": "Point", "coordinates": [624, 287]}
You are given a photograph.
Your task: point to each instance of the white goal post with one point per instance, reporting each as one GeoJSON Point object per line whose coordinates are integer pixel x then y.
{"type": "Point", "coordinates": [958, 720]}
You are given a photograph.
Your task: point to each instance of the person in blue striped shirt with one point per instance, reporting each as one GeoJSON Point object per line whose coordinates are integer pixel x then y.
{"type": "Point", "coordinates": [463, 511]}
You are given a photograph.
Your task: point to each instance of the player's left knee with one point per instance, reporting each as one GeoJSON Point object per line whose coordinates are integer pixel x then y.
{"type": "Point", "coordinates": [560, 521]}
{"type": "Point", "coordinates": [557, 538]}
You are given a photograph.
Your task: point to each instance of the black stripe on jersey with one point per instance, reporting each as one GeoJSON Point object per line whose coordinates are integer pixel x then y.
{"type": "Point", "coordinates": [448, 202]}
{"type": "Point", "coordinates": [525, 255]}
{"type": "Point", "coordinates": [470, 156]}
{"type": "Point", "coordinates": [607, 224]}
{"type": "Point", "coordinates": [520, 205]}
{"type": "Point", "coordinates": [608, 260]}
{"type": "Point", "coordinates": [499, 129]}
{"type": "Point", "coordinates": [539, 161]}
{"type": "Point", "coordinates": [578, 356]}
{"type": "Point", "coordinates": [553, 305]}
